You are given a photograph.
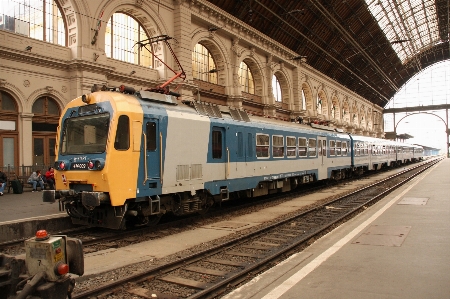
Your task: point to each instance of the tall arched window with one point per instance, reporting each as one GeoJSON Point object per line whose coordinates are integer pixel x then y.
{"type": "Point", "coordinates": [203, 65]}
{"type": "Point", "coordinates": [122, 34]}
{"type": "Point", "coordinates": [9, 115]}
{"type": "Point", "coordinates": [276, 89]}
{"type": "Point", "coordinates": [246, 78]}
{"type": "Point", "coordinates": [37, 19]}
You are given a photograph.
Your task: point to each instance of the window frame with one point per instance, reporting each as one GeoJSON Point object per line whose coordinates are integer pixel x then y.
{"type": "Point", "coordinates": [262, 148]}
{"type": "Point", "coordinates": [277, 150]}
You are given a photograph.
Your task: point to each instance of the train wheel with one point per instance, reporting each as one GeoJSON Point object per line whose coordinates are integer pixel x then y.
{"type": "Point", "coordinates": [153, 219]}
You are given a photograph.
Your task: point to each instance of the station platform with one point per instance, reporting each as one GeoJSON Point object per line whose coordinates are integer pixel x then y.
{"type": "Point", "coordinates": [397, 248]}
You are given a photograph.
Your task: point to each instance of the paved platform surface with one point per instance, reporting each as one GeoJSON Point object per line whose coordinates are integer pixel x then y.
{"type": "Point", "coordinates": [398, 248]}
{"type": "Point", "coordinates": [15, 207]}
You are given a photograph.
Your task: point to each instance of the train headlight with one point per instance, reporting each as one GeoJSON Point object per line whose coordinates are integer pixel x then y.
{"type": "Point", "coordinates": [91, 165]}
{"type": "Point", "coordinates": [61, 165]}
{"type": "Point", "coordinates": [99, 164]}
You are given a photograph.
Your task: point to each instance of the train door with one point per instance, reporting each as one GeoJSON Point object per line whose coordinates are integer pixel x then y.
{"type": "Point", "coordinates": [220, 154]}
{"type": "Point", "coordinates": [241, 154]}
{"type": "Point", "coordinates": [322, 142]}
{"type": "Point", "coordinates": [153, 157]}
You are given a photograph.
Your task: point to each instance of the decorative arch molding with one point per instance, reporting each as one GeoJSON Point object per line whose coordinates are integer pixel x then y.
{"type": "Point", "coordinates": [354, 115]}
{"type": "Point", "coordinates": [47, 91]}
{"type": "Point", "coordinates": [363, 118]}
{"type": "Point", "coordinates": [71, 12]}
{"type": "Point", "coordinates": [345, 111]}
{"type": "Point", "coordinates": [15, 92]}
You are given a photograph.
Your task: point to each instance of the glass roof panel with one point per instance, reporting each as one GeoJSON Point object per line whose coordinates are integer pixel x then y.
{"type": "Point", "coordinates": [409, 25]}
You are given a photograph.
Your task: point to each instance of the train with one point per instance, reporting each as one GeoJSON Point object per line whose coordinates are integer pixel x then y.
{"type": "Point", "coordinates": [126, 158]}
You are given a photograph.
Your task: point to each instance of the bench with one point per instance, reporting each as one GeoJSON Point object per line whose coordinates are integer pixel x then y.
{"type": "Point", "coordinates": [23, 181]}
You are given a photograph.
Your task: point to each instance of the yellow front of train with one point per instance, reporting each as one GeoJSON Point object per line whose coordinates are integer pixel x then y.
{"type": "Point", "coordinates": [97, 158]}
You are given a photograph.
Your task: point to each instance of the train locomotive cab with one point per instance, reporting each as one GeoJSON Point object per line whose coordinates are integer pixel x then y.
{"type": "Point", "coordinates": [94, 147]}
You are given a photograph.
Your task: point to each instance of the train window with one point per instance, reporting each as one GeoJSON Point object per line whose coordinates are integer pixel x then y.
{"type": "Point", "coordinates": [262, 145]}
{"type": "Point", "coordinates": [344, 148]}
{"type": "Point", "coordinates": [277, 146]}
{"type": "Point", "coordinates": [250, 144]}
{"type": "Point", "coordinates": [324, 148]}
{"type": "Point", "coordinates": [151, 136]}
{"type": "Point", "coordinates": [122, 141]}
{"type": "Point", "coordinates": [338, 147]}
{"type": "Point", "coordinates": [240, 149]}
{"type": "Point", "coordinates": [366, 148]}
{"type": "Point", "coordinates": [332, 147]}
{"type": "Point", "coordinates": [312, 150]}
{"type": "Point", "coordinates": [302, 147]}
{"type": "Point", "coordinates": [217, 144]}
{"type": "Point", "coordinates": [291, 145]}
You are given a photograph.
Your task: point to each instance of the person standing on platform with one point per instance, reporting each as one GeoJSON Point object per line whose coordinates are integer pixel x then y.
{"type": "Point", "coordinates": [50, 176]}
{"type": "Point", "coordinates": [3, 180]}
{"type": "Point", "coordinates": [36, 178]}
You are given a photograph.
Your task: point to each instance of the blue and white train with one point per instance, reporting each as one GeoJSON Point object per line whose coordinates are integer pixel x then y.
{"type": "Point", "coordinates": [130, 158]}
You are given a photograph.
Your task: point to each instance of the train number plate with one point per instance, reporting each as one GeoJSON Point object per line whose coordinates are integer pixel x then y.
{"type": "Point", "coordinates": [78, 166]}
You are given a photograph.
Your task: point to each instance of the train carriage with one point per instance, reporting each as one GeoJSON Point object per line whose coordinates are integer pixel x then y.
{"type": "Point", "coordinates": [130, 158]}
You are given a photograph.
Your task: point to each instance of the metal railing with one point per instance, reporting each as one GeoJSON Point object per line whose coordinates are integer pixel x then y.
{"type": "Point", "coordinates": [24, 171]}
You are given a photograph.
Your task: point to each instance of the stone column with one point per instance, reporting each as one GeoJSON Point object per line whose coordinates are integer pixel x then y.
{"type": "Point", "coordinates": [26, 139]}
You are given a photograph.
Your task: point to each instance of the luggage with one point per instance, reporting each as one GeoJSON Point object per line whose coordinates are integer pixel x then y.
{"type": "Point", "coordinates": [17, 187]}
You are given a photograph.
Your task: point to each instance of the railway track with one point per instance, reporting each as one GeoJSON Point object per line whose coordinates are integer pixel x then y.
{"type": "Point", "coordinates": [96, 239]}
{"type": "Point", "coordinates": [215, 271]}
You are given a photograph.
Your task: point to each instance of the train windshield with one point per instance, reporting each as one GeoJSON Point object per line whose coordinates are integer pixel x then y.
{"type": "Point", "coordinates": [85, 134]}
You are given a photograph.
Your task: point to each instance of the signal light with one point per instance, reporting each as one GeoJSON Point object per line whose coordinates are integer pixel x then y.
{"type": "Point", "coordinates": [90, 165]}
{"type": "Point", "coordinates": [61, 165]}
{"type": "Point", "coordinates": [42, 235]}
{"type": "Point", "coordinates": [61, 268]}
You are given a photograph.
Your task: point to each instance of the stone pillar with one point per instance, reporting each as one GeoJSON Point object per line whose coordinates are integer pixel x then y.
{"type": "Point", "coordinates": [26, 139]}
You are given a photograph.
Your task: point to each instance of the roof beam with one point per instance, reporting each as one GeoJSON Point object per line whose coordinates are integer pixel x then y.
{"type": "Point", "coordinates": [323, 51]}
{"type": "Point", "coordinates": [354, 43]}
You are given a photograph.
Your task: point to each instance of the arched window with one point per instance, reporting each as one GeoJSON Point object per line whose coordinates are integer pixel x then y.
{"type": "Point", "coordinates": [45, 106]}
{"type": "Point", "coordinates": [122, 34]}
{"type": "Point", "coordinates": [44, 126]}
{"type": "Point", "coordinates": [276, 89]}
{"type": "Point", "coordinates": [246, 78]}
{"type": "Point", "coordinates": [203, 65]}
{"type": "Point", "coordinates": [319, 104]}
{"type": "Point", "coordinates": [303, 100]}
{"type": "Point", "coordinates": [37, 19]}
{"type": "Point", "coordinates": [8, 130]}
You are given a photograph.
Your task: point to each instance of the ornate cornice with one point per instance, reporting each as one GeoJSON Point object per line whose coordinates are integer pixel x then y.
{"type": "Point", "coordinates": [32, 58]}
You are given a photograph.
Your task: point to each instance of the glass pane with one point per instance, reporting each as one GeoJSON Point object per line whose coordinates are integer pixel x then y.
{"type": "Point", "coordinates": [52, 107]}
{"type": "Point", "coordinates": [7, 102]}
{"type": "Point", "coordinates": [122, 141]}
{"type": "Point", "coordinates": [38, 106]}
{"type": "Point", "coordinates": [51, 150]}
{"type": "Point", "coordinates": [276, 89]}
{"type": "Point", "coordinates": [86, 134]}
{"type": "Point", "coordinates": [217, 144]}
{"type": "Point", "coordinates": [38, 151]}
{"type": "Point", "coordinates": [240, 145]}
{"type": "Point", "coordinates": [151, 136]}
{"type": "Point", "coordinates": [8, 151]}
{"type": "Point", "coordinates": [122, 34]}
